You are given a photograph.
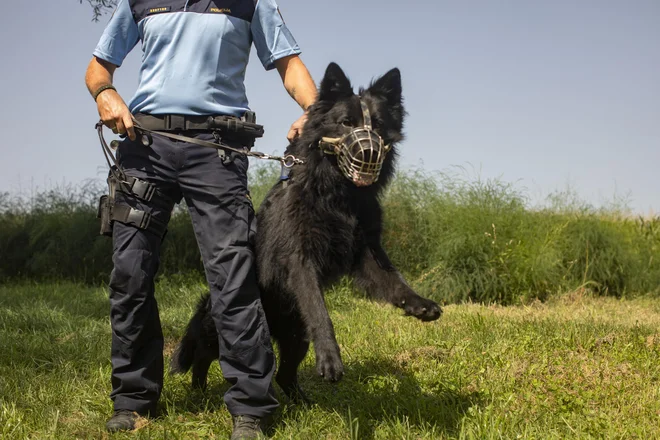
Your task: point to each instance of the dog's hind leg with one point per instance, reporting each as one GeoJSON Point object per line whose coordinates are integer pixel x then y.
{"type": "Point", "coordinates": [381, 280]}
{"type": "Point", "coordinates": [304, 285]}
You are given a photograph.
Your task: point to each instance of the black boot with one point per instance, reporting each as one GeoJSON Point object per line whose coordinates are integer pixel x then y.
{"type": "Point", "coordinates": [247, 428]}
{"type": "Point", "coordinates": [122, 420]}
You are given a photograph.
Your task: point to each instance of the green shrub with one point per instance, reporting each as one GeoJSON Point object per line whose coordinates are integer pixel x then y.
{"type": "Point", "coordinates": [461, 239]}
{"type": "Point", "coordinates": [455, 238]}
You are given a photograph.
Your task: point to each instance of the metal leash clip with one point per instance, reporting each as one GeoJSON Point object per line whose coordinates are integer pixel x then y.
{"type": "Point", "coordinates": [290, 160]}
{"type": "Point", "coordinates": [287, 161]}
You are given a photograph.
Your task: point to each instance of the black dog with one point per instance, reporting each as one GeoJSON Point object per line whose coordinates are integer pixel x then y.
{"type": "Point", "coordinates": [314, 228]}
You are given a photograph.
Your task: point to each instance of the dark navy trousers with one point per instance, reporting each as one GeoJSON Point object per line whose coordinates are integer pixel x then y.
{"type": "Point", "coordinates": [224, 223]}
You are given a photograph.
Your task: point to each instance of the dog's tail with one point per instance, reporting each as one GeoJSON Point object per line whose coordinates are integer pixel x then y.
{"type": "Point", "coordinates": [184, 355]}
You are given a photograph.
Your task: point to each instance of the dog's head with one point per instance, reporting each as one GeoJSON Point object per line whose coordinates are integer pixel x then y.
{"type": "Point", "coordinates": [356, 133]}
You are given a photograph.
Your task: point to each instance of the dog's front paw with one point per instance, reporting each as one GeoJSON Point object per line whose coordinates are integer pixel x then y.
{"type": "Point", "coordinates": [329, 364]}
{"type": "Point", "coordinates": [421, 308]}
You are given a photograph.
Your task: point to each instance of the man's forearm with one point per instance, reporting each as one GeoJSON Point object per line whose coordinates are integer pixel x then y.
{"type": "Point", "coordinates": [297, 80]}
{"type": "Point", "coordinates": [99, 73]}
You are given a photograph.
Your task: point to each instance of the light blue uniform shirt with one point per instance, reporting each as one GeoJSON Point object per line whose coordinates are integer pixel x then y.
{"type": "Point", "coordinates": [195, 53]}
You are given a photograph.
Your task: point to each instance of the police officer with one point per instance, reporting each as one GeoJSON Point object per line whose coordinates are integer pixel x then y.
{"type": "Point", "coordinates": [194, 57]}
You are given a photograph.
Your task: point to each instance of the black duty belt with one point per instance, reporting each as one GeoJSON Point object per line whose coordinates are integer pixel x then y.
{"type": "Point", "coordinates": [229, 126]}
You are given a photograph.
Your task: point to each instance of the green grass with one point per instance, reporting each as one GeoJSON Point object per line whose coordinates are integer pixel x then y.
{"type": "Point", "coordinates": [575, 366]}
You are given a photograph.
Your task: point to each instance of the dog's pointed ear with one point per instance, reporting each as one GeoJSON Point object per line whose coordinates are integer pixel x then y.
{"type": "Point", "coordinates": [388, 86]}
{"type": "Point", "coordinates": [334, 84]}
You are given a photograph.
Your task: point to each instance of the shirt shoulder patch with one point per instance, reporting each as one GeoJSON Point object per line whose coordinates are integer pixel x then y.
{"type": "Point", "coordinates": [220, 10]}
{"type": "Point", "coordinates": [159, 10]}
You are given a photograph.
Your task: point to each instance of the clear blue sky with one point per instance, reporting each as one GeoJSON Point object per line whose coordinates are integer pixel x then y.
{"type": "Point", "coordinates": [543, 93]}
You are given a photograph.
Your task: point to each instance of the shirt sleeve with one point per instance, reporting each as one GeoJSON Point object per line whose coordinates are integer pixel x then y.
{"type": "Point", "coordinates": [119, 37]}
{"type": "Point", "coordinates": [270, 35]}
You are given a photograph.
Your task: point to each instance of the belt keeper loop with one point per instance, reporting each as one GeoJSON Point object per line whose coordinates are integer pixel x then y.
{"type": "Point", "coordinates": [149, 193]}
{"type": "Point", "coordinates": [145, 221]}
{"type": "Point", "coordinates": [177, 122]}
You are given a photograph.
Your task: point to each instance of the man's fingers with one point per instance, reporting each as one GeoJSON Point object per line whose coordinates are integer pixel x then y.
{"type": "Point", "coordinates": [120, 127]}
{"type": "Point", "coordinates": [110, 123]}
{"type": "Point", "coordinates": [296, 128]}
{"type": "Point", "coordinates": [292, 134]}
{"type": "Point", "coordinates": [130, 129]}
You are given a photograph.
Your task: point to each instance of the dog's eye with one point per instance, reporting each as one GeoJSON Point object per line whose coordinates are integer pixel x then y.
{"type": "Point", "coordinates": [346, 123]}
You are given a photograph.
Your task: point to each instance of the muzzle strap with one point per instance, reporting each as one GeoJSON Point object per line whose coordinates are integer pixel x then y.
{"type": "Point", "coordinates": [366, 115]}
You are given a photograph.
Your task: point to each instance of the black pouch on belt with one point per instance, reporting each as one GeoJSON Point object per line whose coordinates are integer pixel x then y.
{"type": "Point", "coordinates": [103, 213]}
{"type": "Point", "coordinates": [106, 203]}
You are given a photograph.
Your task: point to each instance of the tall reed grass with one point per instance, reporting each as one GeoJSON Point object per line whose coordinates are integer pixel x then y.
{"type": "Point", "coordinates": [467, 239]}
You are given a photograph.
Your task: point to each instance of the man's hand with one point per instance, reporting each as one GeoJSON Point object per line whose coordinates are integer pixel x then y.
{"type": "Point", "coordinates": [115, 114]}
{"type": "Point", "coordinates": [112, 109]}
{"type": "Point", "coordinates": [297, 128]}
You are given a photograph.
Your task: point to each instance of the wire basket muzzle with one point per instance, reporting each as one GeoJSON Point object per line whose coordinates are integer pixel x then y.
{"type": "Point", "coordinates": [361, 156]}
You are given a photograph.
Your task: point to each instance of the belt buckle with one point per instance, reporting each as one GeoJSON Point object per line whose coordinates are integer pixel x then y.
{"type": "Point", "coordinates": [139, 218]}
{"type": "Point", "coordinates": [175, 122]}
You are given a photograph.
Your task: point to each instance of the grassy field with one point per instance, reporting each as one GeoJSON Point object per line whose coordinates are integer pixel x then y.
{"type": "Point", "coordinates": [573, 367]}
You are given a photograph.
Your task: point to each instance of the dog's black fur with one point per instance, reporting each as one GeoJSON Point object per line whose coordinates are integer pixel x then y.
{"type": "Point", "coordinates": [313, 230]}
